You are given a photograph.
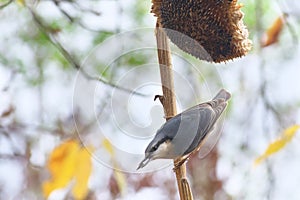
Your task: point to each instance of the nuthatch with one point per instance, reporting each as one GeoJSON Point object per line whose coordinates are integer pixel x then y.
{"type": "Point", "coordinates": [183, 134]}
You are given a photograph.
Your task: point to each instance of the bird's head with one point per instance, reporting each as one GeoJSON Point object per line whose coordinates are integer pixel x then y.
{"type": "Point", "coordinates": [157, 149]}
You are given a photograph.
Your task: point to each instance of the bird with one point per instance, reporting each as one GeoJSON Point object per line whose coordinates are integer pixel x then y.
{"type": "Point", "coordinates": [183, 134]}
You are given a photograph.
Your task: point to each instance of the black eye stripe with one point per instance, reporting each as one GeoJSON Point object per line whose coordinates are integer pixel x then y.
{"type": "Point", "coordinates": [155, 147]}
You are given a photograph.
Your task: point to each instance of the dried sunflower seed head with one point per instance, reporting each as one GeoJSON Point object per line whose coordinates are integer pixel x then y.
{"type": "Point", "coordinates": [210, 30]}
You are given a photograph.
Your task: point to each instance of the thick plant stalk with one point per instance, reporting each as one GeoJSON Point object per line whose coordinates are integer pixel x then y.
{"type": "Point", "coordinates": [168, 101]}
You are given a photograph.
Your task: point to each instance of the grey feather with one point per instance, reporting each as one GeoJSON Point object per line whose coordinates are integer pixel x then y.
{"type": "Point", "coordinates": [187, 130]}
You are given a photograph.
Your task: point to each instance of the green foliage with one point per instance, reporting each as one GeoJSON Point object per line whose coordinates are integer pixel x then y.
{"type": "Point", "coordinates": [140, 10]}
{"type": "Point", "coordinates": [135, 59]}
{"type": "Point", "coordinates": [103, 70]}
{"type": "Point", "coordinates": [14, 64]}
{"type": "Point", "coordinates": [40, 38]}
{"type": "Point", "coordinates": [249, 20]}
{"type": "Point", "coordinates": [101, 36]}
{"type": "Point", "coordinates": [250, 10]}
{"type": "Point", "coordinates": [57, 56]}
{"type": "Point", "coordinates": [35, 81]}
{"type": "Point", "coordinates": [45, 50]}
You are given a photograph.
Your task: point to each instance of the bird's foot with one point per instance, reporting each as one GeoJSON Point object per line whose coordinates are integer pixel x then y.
{"type": "Point", "coordinates": [179, 162]}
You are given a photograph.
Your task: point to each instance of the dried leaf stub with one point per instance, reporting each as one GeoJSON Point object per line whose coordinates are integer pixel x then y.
{"type": "Point", "coordinates": [210, 30]}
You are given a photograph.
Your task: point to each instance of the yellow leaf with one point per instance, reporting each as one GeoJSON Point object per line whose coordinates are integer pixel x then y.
{"type": "Point", "coordinates": [21, 2]}
{"type": "Point", "coordinates": [290, 132]}
{"type": "Point", "coordinates": [278, 144]}
{"type": "Point", "coordinates": [118, 175]}
{"type": "Point", "coordinates": [82, 173]}
{"type": "Point", "coordinates": [121, 181]}
{"type": "Point", "coordinates": [108, 146]}
{"type": "Point", "coordinates": [66, 163]}
{"type": "Point", "coordinates": [61, 164]}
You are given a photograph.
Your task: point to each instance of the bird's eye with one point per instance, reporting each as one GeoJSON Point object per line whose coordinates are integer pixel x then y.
{"type": "Point", "coordinates": [154, 148]}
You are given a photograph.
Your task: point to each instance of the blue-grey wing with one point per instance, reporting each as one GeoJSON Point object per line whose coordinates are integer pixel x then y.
{"type": "Point", "coordinates": [189, 128]}
{"type": "Point", "coordinates": [208, 132]}
{"type": "Point", "coordinates": [194, 127]}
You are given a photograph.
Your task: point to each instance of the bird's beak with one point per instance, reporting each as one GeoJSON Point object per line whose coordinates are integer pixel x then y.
{"type": "Point", "coordinates": [144, 162]}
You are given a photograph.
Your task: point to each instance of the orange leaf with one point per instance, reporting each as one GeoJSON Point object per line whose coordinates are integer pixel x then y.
{"type": "Point", "coordinates": [272, 34]}
{"type": "Point", "coordinates": [7, 112]}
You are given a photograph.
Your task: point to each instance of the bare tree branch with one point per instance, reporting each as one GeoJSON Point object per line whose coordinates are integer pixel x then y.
{"type": "Point", "coordinates": [6, 4]}
{"type": "Point", "coordinates": [53, 40]}
{"type": "Point", "coordinates": [76, 19]}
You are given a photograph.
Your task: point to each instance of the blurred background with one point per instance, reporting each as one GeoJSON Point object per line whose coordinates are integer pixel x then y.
{"type": "Point", "coordinates": [77, 81]}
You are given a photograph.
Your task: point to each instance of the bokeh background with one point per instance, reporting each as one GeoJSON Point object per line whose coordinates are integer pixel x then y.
{"type": "Point", "coordinates": [80, 76]}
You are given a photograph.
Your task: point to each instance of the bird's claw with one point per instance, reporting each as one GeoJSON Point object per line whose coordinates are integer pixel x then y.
{"type": "Point", "coordinates": [179, 163]}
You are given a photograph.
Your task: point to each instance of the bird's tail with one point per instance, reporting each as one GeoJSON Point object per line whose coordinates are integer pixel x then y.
{"type": "Point", "coordinates": [222, 94]}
